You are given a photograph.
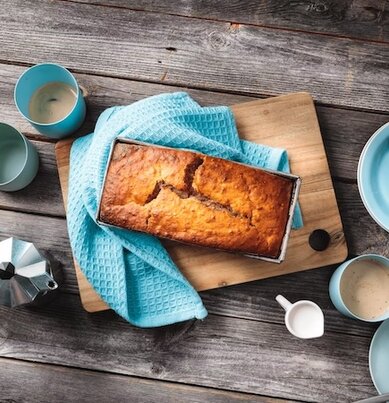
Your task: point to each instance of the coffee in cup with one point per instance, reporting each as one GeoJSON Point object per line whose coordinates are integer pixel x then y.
{"type": "Point", "coordinates": [359, 288]}
{"type": "Point", "coordinates": [364, 287]}
{"type": "Point", "coordinates": [52, 102]}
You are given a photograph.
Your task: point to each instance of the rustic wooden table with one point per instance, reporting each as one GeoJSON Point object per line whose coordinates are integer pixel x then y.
{"type": "Point", "coordinates": [221, 52]}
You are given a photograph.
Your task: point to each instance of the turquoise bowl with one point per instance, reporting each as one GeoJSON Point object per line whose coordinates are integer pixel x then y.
{"type": "Point", "coordinates": [19, 159]}
{"type": "Point", "coordinates": [36, 77]}
{"type": "Point", "coordinates": [373, 176]}
{"type": "Point", "coordinates": [379, 358]}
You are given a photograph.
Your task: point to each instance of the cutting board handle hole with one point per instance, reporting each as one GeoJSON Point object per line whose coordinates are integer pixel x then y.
{"type": "Point", "coordinates": [319, 240]}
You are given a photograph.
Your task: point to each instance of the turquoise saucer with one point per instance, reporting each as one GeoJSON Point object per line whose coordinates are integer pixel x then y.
{"type": "Point", "coordinates": [373, 176]}
{"type": "Point", "coordinates": [379, 358]}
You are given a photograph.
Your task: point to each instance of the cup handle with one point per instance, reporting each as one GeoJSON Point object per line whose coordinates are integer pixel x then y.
{"type": "Point", "coordinates": [283, 302]}
{"type": "Point", "coordinates": [84, 91]}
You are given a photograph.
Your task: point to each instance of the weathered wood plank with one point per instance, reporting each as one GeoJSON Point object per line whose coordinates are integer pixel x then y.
{"type": "Point", "coordinates": [220, 352]}
{"type": "Point", "coordinates": [344, 131]}
{"type": "Point", "coordinates": [176, 49]}
{"type": "Point", "coordinates": [254, 301]}
{"type": "Point", "coordinates": [359, 19]}
{"type": "Point", "coordinates": [106, 91]}
{"type": "Point", "coordinates": [41, 383]}
{"type": "Point", "coordinates": [224, 351]}
{"type": "Point", "coordinates": [102, 93]}
{"type": "Point", "coordinates": [355, 219]}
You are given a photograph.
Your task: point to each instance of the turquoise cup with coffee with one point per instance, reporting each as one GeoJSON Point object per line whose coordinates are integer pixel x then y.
{"type": "Point", "coordinates": [49, 97]}
{"type": "Point", "coordinates": [359, 288]}
{"type": "Point", "coordinates": [19, 159]}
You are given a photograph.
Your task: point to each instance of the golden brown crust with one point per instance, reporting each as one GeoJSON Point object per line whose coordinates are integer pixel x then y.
{"type": "Point", "coordinates": [196, 199]}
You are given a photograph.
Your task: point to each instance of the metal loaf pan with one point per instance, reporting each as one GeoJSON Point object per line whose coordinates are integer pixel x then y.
{"type": "Point", "coordinates": [295, 192]}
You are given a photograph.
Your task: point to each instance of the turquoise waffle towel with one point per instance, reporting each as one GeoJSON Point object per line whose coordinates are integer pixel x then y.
{"type": "Point", "coordinates": [131, 271]}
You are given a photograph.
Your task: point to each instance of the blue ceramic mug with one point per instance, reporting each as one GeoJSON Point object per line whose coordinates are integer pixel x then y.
{"type": "Point", "coordinates": [335, 286]}
{"type": "Point", "coordinates": [19, 159]}
{"type": "Point", "coordinates": [35, 78]}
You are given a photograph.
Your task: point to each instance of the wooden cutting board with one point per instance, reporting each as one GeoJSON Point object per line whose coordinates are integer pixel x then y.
{"type": "Point", "coordinates": [289, 122]}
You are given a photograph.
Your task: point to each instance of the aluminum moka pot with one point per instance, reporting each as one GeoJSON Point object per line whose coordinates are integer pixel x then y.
{"type": "Point", "coordinates": [26, 276]}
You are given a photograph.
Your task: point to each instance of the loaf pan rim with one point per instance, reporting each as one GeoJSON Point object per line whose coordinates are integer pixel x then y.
{"type": "Point", "coordinates": [294, 198]}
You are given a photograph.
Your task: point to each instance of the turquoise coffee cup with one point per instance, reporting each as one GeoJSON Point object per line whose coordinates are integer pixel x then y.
{"type": "Point", "coordinates": [335, 292]}
{"type": "Point", "coordinates": [19, 159]}
{"type": "Point", "coordinates": [38, 76]}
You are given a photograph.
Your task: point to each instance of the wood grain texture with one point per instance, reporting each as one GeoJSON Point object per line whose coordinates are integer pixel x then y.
{"type": "Point", "coordinates": [289, 121]}
{"type": "Point", "coordinates": [341, 129]}
{"type": "Point", "coordinates": [48, 383]}
{"type": "Point", "coordinates": [254, 301]}
{"type": "Point", "coordinates": [51, 232]}
{"type": "Point", "coordinates": [228, 353]}
{"type": "Point", "coordinates": [243, 345]}
{"type": "Point", "coordinates": [175, 50]}
{"type": "Point", "coordinates": [363, 19]}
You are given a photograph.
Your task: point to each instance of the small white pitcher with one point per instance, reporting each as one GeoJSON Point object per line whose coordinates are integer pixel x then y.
{"type": "Point", "coordinates": [304, 319]}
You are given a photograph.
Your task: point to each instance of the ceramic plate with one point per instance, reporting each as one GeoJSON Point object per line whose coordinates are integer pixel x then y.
{"type": "Point", "coordinates": [379, 358]}
{"type": "Point", "coordinates": [373, 174]}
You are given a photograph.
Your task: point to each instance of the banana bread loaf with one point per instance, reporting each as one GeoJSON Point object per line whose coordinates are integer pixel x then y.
{"type": "Point", "coordinates": [197, 199]}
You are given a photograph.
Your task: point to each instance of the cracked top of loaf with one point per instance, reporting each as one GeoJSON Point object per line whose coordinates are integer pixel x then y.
{"type": "Point", "coordinates": [197, 199]}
